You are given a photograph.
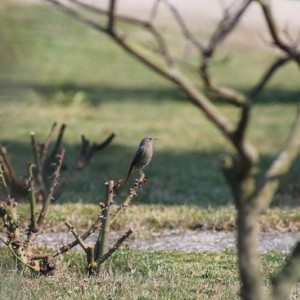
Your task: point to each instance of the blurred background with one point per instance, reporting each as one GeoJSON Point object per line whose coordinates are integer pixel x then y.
{"type": "Point", "coordinates": [54, 68]}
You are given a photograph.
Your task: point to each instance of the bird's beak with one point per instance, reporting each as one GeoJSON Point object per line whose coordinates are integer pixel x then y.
{"type": "Point", "coordinates": [155, 139]}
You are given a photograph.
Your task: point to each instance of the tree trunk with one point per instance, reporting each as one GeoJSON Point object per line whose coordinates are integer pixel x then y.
{"type": "Point", "coordinates": [249, 264]}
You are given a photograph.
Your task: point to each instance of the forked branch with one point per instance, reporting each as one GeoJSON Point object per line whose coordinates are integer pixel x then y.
{"type": "Point", "coordinates": [196, 96]}
{"type": "Point", "coordinates": [87, 152]}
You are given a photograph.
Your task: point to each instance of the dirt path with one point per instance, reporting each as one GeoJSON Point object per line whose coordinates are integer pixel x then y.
{"type": "Point", "coordinates": [201, 241]}
{"type": "Point", "coordinates": [187, 241]}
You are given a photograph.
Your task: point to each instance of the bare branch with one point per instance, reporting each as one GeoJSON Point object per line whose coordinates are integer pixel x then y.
{"type": "Point", "coordinates": [4, 181]}
{"type": "Point", "coordinates": [127, 201]}
{"type": "Point", "coordinates": [115, 247]}
{"type": "Point", "coordinates": [225, 27]}
{"type": "Point", "coordinates": [277, 63]}
{"type": "Point", "coordinates": [272, 25]}
{"type": "Point", "coordinates": [154, 10]}
{"type": "Point", "coordinates": [194, 95]}
{"type": "Point", "coordinates": [45, 145]}
{"type": "Point", "coordinates": [19, 258]}
{"type": "Point", "coordinates": [83, 236]}
{"type": "Point", "coordinates": [42, 215]}
{"type": "Point", "coordinates": [86, 154]}
{"type": "Point", "coordinates": [147, 25]}
{"type": "Point", "coordinates": [75, 15]}
{"type": "Point", "coordinates": [232, 96]}
{"type": "Point", "coordinates": [100, 146]}
{"type": "Point", "coordinates": [284, 281]}
{"type": "Point", "coordinates": [35, 148]}
{"type": "Point", "coordinates": [32, 228]}
{"type": "Point", "coordinates": [102, 243]}
{"type": "Point", "coordinates": [57, 146]}
{"type": "Point", "coordinates": [77, 236]}
{"type": "Point", "coordinates": [289, 37]}
{"type": "Point", "coordinates": [278, 168]}
{"type": "Point", "coordinates": [11, 175]}
{"type": "Point", "coordinates": [182, 25]}
{"type": "Point", "coordinates": [33, 224]}
{"type": "Point", "coordinates": [111, 16]}
{"type": "Point", "coordinates": [246, 150]}
{"type": "Point", "coordinates": [274, 31]}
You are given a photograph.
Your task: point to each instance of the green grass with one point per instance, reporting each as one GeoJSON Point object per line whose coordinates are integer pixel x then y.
{"type": "Point", "coordinates": [90, 84]}
{"type": "Point", "coordinates": [137, 275]}
{"type": "Point", "coordinates": [148, 220]}
{"type": "Point", "coordinates": [60, 70]}
{"type": "Point", "coordinates": [55, 69]}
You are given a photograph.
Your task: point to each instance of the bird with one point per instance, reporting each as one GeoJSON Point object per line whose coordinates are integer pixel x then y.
{"type": "Point", "coordinates": [142, 156]}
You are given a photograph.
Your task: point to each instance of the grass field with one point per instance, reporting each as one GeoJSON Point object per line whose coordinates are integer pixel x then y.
{"type": "Point", "coordinates": [61, 71]}
{"type": "Point", "coordinates": [138, 275]}
{"type": "Point", "coordinates": [54, 69]}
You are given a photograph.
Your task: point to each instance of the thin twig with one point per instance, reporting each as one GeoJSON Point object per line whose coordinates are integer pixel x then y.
{"type": "Point", "coordinates": [42, 215]}
{"type": "Point", "coordinates": [154, 10]}
{"type": "Point", "coordinates": [4, 182]}
{"type": "Point", "coordinates": [7, 165]}
{"type": "Point", "coordinates": [33, 224]}
{"type": "Point", "coordinates": [45, 145]}
{"type": "Point", "coordinates": [86, 154]}
{"type": "Point", "coordinates": [275, 32]}
{"type": "Point", "coordinates": [73, 13]}
{"type": "Point", "coordinates": [272, 25]}
{"type": "Point", "coordinates": [276, 64]}
{"type": "Point", "coordinates": [57, 145]}
{"type": "Point", "coordinates": [127, 201]}
{"type": "Point", "coordinates": [35, 149]}
{"type": "Point", "coordinates": [147, 25]}
{"type": "Point", "coordinates": [225, 27]}
{"type": "Point", "coordinates": [115, 247]}
{"type": "Point", "coordinates": [231, 95]}
{"type": "Point", "coordinates": [184, 28]}
{"type": "Point", "coordinates": [17, 256]}
{"type": "Point", "coordinates": [77, 236]}
{"type": "Point", "coordinates": [83, 236]}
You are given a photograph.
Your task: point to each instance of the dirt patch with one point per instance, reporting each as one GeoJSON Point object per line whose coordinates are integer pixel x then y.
{"type": "Point", "coordinates": [187, 241]}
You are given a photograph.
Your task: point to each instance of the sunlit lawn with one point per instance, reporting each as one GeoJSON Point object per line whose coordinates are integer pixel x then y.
{"type": "Point", "coordinates": [54, 69]}
{"type": "Point", "coordinates": [138, 275]}
{"type": "Point", "coordinates": [58, 70]}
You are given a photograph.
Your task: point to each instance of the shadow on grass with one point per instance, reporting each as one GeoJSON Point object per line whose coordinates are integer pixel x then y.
{"type": "Point", "coordinates": [95, 94]}
{"type": "Point", "coordinates": [174, 178]}
{"type": "Point", "coordinates": [274, 95]}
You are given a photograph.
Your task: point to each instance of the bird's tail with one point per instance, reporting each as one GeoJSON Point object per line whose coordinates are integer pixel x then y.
{"type": "Point", "coordinates": [129, 174]}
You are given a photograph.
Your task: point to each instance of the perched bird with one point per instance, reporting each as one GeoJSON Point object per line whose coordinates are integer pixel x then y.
{"type": "Point", "coordinates": [142, 156]}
